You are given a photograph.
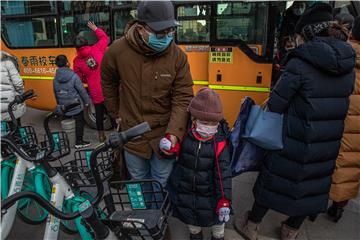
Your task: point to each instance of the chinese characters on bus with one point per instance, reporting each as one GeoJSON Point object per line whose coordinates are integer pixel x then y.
{"type": "Point", "coordinates": [38, 64]}
{"type": "Point", "coordinates": [221, 55]}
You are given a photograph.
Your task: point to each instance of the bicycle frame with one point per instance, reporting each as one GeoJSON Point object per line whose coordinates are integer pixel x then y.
{"type": "Point", "coordinates": [60, 191]}
{"type": "Point", "coordinates": [21, 166]}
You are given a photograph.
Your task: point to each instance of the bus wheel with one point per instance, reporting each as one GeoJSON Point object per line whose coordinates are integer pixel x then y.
{"type": "Point", "coordinates": [89, 116]}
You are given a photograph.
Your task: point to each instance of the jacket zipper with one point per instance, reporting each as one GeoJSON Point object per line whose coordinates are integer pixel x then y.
{"type": "Point", "coordinates": [194, 179]}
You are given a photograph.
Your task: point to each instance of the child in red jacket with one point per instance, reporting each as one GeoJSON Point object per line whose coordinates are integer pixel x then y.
{"type": "Point", "coordinates": [200, 183]}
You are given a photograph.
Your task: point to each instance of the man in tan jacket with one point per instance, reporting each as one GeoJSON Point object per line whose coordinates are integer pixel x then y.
{"type": "Point", "coordinates": [145, 76]}
{"type": "Point", "coordinates": [346, 178]}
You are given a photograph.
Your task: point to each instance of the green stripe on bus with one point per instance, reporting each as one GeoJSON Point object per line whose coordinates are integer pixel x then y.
{"type": "Point", "coordinates": [198, 82]}
{"type": "Point", "coordinates": [240, 88]}
{"type": "Point", "coordinates": [37, 77]}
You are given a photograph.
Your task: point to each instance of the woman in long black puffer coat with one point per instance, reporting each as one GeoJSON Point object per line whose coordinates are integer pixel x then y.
{"type": "Point", "coordinates": [313, 94]}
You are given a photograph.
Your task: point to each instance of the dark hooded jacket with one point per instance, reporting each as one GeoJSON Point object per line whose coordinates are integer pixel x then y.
{"type": "Point", "coordinates": [313, 94]}
{"type": "Point", "coordinates": [194, 184]}
{"type": "Point", "coordinates": [68, 88]}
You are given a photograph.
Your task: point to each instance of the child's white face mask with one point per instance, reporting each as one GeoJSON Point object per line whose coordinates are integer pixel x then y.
{"type": "Point", "coordinates": [206, 130]}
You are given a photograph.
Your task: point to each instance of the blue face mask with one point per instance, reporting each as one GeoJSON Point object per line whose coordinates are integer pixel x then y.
{"type": "Point", "coordinates": [160, 44]}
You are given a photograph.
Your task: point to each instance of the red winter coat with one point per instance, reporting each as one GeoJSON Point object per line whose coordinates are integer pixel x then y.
{"type": "Point", "coordinates": [86, 74]}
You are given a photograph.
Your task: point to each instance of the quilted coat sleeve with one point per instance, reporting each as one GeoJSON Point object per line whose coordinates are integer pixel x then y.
{"type": "Point", "coordinates": [225, 171]}
{"type": "Point", "coordinates": [286, 87]}
{"type": "Point", "coordinates": [103, 39]}
{"type": "Point", "coordinates": [15, 77]}
{"type": "Point", "coordinates": [110, 83]}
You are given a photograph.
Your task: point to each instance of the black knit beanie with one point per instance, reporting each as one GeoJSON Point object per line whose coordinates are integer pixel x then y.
{"type": "Point", "coordinates": [317, 13]}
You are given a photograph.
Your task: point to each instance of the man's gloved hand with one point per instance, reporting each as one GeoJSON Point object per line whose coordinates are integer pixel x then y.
{"type": "Point", "coordinates": [223, 210]}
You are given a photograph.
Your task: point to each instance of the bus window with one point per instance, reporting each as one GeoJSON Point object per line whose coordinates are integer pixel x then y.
{"type": "Point", "coordinates": [122, 3]}
{"type": "Point", "coordinates": [75, 16]}
{"type": "Point", "coordinates": [83, 6]}
{"type": "Point", "coordinates": [27, 7]}
{"type": "Point", "coordinates": [195, 24]}
{"type": "Point", "coordinates": [246, 21]}
{"type": "Point", "coordinates": [121, 18]}
{"type": "Point", "coordinates": [30, 32]}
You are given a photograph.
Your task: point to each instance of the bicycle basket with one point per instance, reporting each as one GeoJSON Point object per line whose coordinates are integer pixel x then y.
{"type": "Point", "coordinates": [78, 170]}
{"type": "Point", "coordinates": [61, 148]}
{"type": "Point", "coordinates": [25, 138]}
{"type": "Point", "coordinates": [140, 210]}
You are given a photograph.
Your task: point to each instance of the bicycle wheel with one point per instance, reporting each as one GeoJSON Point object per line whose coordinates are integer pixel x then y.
{"type": "Point", "coordinates": [69, 226]}
{"type": "Point", "coordinates": [29, 210]}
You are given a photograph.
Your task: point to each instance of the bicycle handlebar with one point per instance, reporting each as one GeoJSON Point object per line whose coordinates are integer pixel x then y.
{"type": "Point", "coordinates": [101, 230]}
{"type": "Point", "coordinates": [62, 109]}
{"type": "Point", "coordinates": [18, 100]}
{"type": "Point", "coordinates": [59, 111]}
{"type": "Point", "coordinates": [115, 140]}
{"type": "Point", "coordinates": [41, 154]}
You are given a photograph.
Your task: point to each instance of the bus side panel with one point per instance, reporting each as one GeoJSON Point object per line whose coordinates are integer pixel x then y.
{"type": "Point", "coordinates": [37, 69]}
{"type": "Point", "coordinates": [231, 101]}
{"type": "Point", "coordinates": [45, 99]}
{"type": "Point", "coordinates": [242, 71]}
{"type": "Point", "coordinates": [198, 61]}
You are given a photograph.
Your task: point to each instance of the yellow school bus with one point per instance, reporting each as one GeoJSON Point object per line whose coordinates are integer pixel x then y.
{"type": "Point", "coordinates": [230, 44]}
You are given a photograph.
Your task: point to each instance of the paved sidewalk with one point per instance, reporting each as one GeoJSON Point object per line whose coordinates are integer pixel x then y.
{"type": "Point", "coordinates": [322, 229]}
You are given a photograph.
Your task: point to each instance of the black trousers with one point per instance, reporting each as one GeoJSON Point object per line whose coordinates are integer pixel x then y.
{"type": "Point", "coordinates": [79, 125]}
{"type": "Point", "coordinates": [258, 212]}
{"type": "Point", "coordinates": [100, 111]}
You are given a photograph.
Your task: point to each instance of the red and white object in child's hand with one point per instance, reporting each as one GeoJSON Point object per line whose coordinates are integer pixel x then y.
{"type": "Point", "coordinates": [223, 210]}
{"type": "Point", "coordinates": [166, 145]}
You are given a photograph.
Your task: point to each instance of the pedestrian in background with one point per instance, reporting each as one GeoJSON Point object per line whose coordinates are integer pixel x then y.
{"type": "Point", "coordinates": [11, 85]}
{"type": "Point", "coordinates": [200, 183]}
{"type": "Point", "coordinates": [145, 76]}
{"type": "Point", "coordinates": [345, 19]}
{"type": "Point", "coordinates": [68, 89]}
{"type": "Point", "coordinates": [346, 178]}
{"type": "Point", "coordinates": [87, 67]}
{"type": "Point", "coordinates": [288, 44]}
{"type": "Point", "coordinates": [313, 94]}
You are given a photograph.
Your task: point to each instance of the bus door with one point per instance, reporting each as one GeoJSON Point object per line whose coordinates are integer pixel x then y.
{"type": "Point", "coordinates": [193, 36]}
{"type": "Point", "coordinates": [228, 48]}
